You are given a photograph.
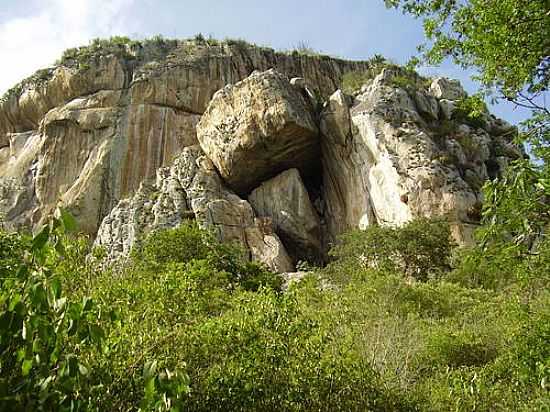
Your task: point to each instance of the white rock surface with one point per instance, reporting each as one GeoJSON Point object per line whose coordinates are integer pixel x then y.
{"type": "Point", "coordinates": [191, 188]}
{"type": "Point", "coordinates": [386, 161]}
{"type": "Point", "coordinates": [285, 200]}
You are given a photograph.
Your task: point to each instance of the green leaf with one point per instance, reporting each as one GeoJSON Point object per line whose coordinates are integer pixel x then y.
{"type": "Point", "coordinates": [60, 247]}
{"type": "Point", "coordinates": [15, 300]}
{"type": "Point", "coordinates": [55, 286]}
{"type": "Point", "coordinates": [150, 388]}
{"type": "Point", "coordinates": [73, 366]}
{"type": "Point", "coordinates": [87, 304]}
{"type": "Point", "coordinates": [96, 333]}
{"type": "Point", "coordinates": [38, 296]}
{"type": "Point", "coordinates": [149, 369]}
{"type": "Point", "coordinates": [41, 238]}
{"type": "Point", "coordinates": [73, 327]}
{"type": "Point", "coordinates": [67, 220]}
{"type": "Point", "coordinates": [83, 369]}
{"type": "Point", "coordinates": [26, 367]}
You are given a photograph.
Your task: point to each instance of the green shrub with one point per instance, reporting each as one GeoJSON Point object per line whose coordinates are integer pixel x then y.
{"type": "Point", "coordinates": [303, 48]}
{"type": "Point", "coordinates": [489, 268]}
{"type": "Point", "coordinates": [188, 243]}
{"type": "Point", "coordinates": [471, 110]}
{"type": "Point", "coordinates": [420, 249]}
{"type": "Point", "coordinates": [178, 245]}
{"type": "Point", "coordinates": [354, 80]}
{"type": "Point", "coordinates": [190, 324]}
{"type": "Point", "coordinates": [410, 81]}
{"type": "Point", "coordinates": [13, 248]}
{"type": "Point", "coordinates": [199, 38]}
{"type": "Point", "coordinates": [43, 331]}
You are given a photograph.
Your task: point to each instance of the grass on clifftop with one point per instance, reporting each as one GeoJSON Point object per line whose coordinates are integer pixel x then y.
{"type": "Point", "coordinates": [83, 57]}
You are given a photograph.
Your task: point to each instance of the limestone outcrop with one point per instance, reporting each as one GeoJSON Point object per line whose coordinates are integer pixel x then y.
{"type": "Point", "coordinates": [286, 201]}
{"type": "Point", "coordinates": [258, 127]}
{"type": "Point", "coordinates": [388, 157]}
{"type": "Point", "coordinates": [138, 137]}
{"type": "Point", "coordinates": [109, 115]}
{"type": "Point", "coordinates": [191, 188]}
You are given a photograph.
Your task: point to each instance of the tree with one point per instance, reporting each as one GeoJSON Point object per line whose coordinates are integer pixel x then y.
{"type": "Point", "coordinates": [420, 249]}
{"type": "Point", "coordinates": [507, 42]}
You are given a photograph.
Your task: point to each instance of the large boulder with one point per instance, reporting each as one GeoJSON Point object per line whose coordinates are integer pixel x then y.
{"type": "Point", "coordinates": [447, 89]}
{"type": "Point", "coordinates": [191, 188]}
{"type": "Point", "coordinates": [285, 200]}
{"type": "Point", "coordinates": [258, 127]}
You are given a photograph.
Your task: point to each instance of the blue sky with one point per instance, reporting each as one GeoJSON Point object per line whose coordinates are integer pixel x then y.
{"type": "Point", "coordinates": [33, 33]}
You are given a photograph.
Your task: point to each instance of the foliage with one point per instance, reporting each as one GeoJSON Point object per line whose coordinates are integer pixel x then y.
{"type": "Point", "coordinates": [180, 244]}
{"type": "Point", "coordinates": [471, 110]}
{"type": "Point", "coordinates": [407, 79]}
{"type": "Point", "coordinates": [453, 346]}
{"type": "Point", "coordinates": [354, 80]}
{"type": "Point", "coordinates": [82, 56]}
{"type": "Point", "coordinates": [39, 77]}
{"type": "Point", "coordinates": [240, 44]}
{"type": "Point", "coordinates": [43, 332]}
{"type": "Point", "coordinates": [188, 243]}
{"type": "Point", "coordinates": [420, 249]}
{"type": "Point", "coordinates": [304, 49]}
{"type": "Point", "coordinates": [517, 206]}
{"type": "Point", "coordinates": [189, 324]}
{"type": "Point", "coordinates": [507, 40]}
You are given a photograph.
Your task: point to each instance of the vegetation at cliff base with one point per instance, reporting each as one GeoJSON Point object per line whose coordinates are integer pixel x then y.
{"type": "Point", "coordinates": [187, 324]}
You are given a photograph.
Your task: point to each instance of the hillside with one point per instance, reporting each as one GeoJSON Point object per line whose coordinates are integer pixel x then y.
{"type": "Point", "coordinates": [195, 225]}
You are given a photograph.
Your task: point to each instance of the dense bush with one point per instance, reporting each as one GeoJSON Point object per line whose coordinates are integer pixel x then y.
{"type": "Point", "coordinates": [189, 324]}
{"type": "Point", "coordinates": [43, 331]}
{"type": "Point", "coordinates": [419, 249]}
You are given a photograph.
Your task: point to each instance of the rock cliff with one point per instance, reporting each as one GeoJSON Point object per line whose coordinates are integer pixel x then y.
{"type": "Point", "coordinates": [262, 147]}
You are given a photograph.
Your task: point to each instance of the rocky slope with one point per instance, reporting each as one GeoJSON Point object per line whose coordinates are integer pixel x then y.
{"type": "Point", "coordinates": [259, 146]}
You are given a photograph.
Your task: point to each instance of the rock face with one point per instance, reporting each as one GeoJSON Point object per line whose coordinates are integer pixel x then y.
{"type": "Point", "coordinates": [108, 123]}
{"type": "Point", "coordinates": [191, 188]}
{"type": "Point", "coordinates": [286, 201]}
{"type": "Point", "coordinates": [142, 136]}
{"type": "Point", "coordinates": [258, 127]}
{"type": "Point", "coordinates": [387, 158]}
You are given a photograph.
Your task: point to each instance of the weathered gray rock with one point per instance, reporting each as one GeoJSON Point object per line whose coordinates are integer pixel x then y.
{"type": "Point", "coordinates": [85, 158]}
{"type": "Point", "coordinates": [447, 108]}
{"type": "Point", "coordinates": [285, 200]}
{"type": "Point", "coordinates": [427, 105]}
{"type": "Point", "coordinates": [258, 127]}
{"type": "Point", "coordinates": [18, 164]}
{"type": "Point", "coordinates": [384, 164]}
{"type": "Point", "coordinates": [448, 89]}
{"type": "Point", "coordinates": [346, 161]}
{"type": "Point", "coordinates": [191, 188]}
{"type": "Point", "coordinates": [85, 138]}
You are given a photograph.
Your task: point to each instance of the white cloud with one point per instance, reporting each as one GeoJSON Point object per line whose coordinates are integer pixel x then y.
{"type": "Point", "coordinates": [36, 41]}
